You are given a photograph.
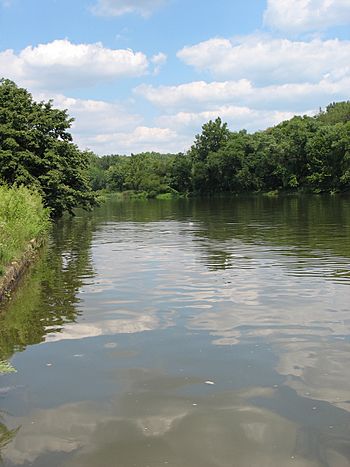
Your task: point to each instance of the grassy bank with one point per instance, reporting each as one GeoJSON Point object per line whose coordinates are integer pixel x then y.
{"type": "Point", "coordinates": [22, 218]}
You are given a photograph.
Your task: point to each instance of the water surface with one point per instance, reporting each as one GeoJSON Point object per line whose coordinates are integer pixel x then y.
{"type": "Point", "coordinates": [186, 333]}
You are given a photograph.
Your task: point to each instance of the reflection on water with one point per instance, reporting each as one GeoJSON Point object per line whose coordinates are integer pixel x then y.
{"type": "Point", "coordinates": [135, 308]}
{"type": "Point", "coordinates": [6, 436]}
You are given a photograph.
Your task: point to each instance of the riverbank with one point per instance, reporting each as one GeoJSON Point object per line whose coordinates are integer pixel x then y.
{"type": "Point", "coordinates": [16, 269]}
{"type": "Point", "coordinates": [24, 223]}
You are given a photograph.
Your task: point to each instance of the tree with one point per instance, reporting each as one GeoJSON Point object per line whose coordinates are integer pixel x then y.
{"type": "Point", "coordinates": [213, 137]}
{"type": "Point", "coordinates": [180, 173]}
{"type": "Point", "coordinates": [329, 158]}
{"type": "Point", "coordinates": [36, 149]}
{"type": "Point", "coordinates": [336, 112]}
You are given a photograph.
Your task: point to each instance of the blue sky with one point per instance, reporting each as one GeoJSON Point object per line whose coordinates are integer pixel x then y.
{"type": "Point", "coordinates": [143, 75]}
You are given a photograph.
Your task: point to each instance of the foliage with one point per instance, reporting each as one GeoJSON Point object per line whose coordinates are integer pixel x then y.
{"type": "Point", "coordinates": [22, 218]}
{"type": "Point", "coordinates": [304, 153]}
{"type": "Point", "coordinates": [336, 112]}
{"type": "Point", "coordinates": [36, 149]}
{"type": "Point", "coordinates": [214, 135]}
{"type": "Point", "coordinates": [147, 173]}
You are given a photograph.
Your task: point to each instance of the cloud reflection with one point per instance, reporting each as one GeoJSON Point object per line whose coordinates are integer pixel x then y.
{"type": "Point", "coordinates": [159, 427]}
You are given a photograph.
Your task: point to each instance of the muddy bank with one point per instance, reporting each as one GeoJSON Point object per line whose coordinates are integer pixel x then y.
{"type": "Point", "coordinates": [16, 269]}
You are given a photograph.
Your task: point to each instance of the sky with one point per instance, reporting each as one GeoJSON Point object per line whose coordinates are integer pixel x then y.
{"type": "Point", "coordinates": [142, 75]}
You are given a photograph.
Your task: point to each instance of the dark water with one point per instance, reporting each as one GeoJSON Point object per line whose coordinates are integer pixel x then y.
{"type": "Point", "coordinates": [187, 334]}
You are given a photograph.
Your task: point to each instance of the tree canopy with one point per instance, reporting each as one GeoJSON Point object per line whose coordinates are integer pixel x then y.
{"type": "Point", "coordinates": [36, 149]}
{"type": "Point", "coordinates": [304, 153]}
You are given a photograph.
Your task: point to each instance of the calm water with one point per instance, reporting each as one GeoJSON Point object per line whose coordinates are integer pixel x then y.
{"type": "Point", "coordinates": [187, 334]}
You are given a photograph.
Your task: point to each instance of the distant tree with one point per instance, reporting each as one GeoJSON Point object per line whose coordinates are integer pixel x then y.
{"type": "Point", "coordinates": [180, 173]}
{"type": "Point", "coordinates": [36, 149]}
{"type": "Point", "coordinates": [116, 175]}
{"type": "Point", "coordinates": [213, 137]}
{"type": "Point", "coordinates": [336, 112]}
{"type": "Point", "coordinates": [329, 158]}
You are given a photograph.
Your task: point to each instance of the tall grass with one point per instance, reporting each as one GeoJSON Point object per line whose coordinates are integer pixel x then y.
{"type": "Point", "coordinates": [22, 218]}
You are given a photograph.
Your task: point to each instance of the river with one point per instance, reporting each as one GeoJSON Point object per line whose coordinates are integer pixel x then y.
{"type": "Point", "coordinates": [188, 333]}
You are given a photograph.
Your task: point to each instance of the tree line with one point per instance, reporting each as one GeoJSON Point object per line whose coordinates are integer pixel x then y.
{"type": "Point", "coordinates": [305, 153]}
{"type": "Point", "coordinates": [37, 150]}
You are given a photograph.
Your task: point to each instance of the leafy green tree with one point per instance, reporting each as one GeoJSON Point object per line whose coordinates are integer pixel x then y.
{"type": "Point", "coordinates": [36, 149]}
{"type": "Point", "coordinates": [329, 158]}
{"type": "Point", "coordinates": [213, 137]}
{"type": "Point", "coordinates": [228, 168]}
{"type": "Point", "coordinates": [117, 173]}
{"type": "Point", "coordinates": [181, 173]}
{"type": "Point", "coordinates": [336, 112]}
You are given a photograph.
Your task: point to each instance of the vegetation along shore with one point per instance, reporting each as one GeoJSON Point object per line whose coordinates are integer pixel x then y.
{"type": "Point", "coordinates": [44, 174]}
{"type": "Point", "coordinates": [24, 223]}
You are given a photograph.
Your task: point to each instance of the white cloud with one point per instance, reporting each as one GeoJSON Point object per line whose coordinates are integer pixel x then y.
{"type": "Point", "coordinates": [297, 16]}
{"type": "Point", "coordinates": [201, 94]}
{"type": "Point", "coordinates": [158, 61]}
{"type": "Point", "coordinates": [140, 139]}
{"type": "Point", "coordinates": [94, 118]}
{"type": "Point", "coordinates": [122, 7]}
{"type": "Point", "coordinates": [107, 127]}
{"type": "Point", "coordinates": [194, 92]}
{"type": "Point", "coordinates": [61, 64]}
{"type": "Point", "coordinates": [237, 117]}
{"type": "Point", "coordinates": [263, 59]}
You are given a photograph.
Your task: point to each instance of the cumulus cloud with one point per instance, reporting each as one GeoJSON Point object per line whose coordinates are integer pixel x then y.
{"type": "Point", "coordinates": [61, 65]}
{"type": "Point", "coordinates": [296, 16]}
{"type": "Point", "coordinates": [111, 127]}
{"type": "Point", "coordinates": [158, 61]}
{"type": "Point", "coordinates": [106, 127]}
{"type": "Point", "coordinates": [267, 60]}
{"type": "Point", "coordinates": [122, 7]}
{"type": "Point", "coordinates": [140, 139]}
{"type": "Point", "coordinates": [189, 94]}
{"type": "Point", "coordinates": [93, 117]}
{"type": "Point", "coordinates": [199, 94]}
{"type": "Point", "coordinates": [237, 117]}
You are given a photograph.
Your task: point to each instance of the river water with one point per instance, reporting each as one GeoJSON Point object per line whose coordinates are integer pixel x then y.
{"type": "Point", "coordinates": [190, 333]}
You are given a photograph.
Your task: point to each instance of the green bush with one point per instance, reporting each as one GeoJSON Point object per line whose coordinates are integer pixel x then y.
{"type": "Point", "coordinates": [22, 218]}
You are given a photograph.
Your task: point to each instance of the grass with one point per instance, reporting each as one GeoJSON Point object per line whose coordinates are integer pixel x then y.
{"type": "Point", "coordinates": [22, 218]}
